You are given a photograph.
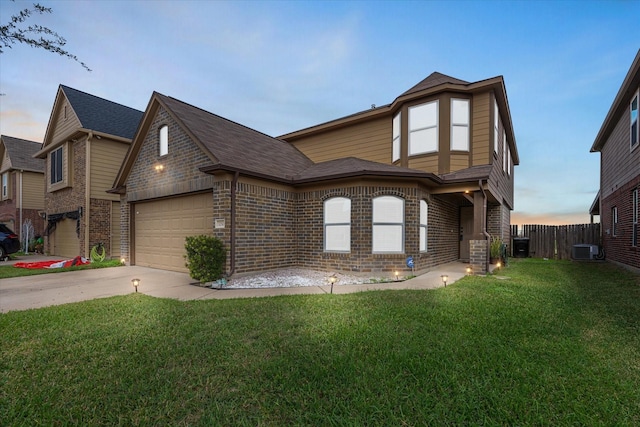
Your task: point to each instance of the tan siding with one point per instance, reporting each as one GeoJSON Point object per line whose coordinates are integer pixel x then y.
{"type": "Point", "coordinates": [369, 141]}
{"type": "Point", "coordinates": [63, 127]}
{"type": "Point", "coordinates": [481, 124]}
{"type": "Point", "coordinates": [106, 158]}
{"type": "Point", "coordinates": [426, 163]}
{"type": "Point", "coordinates": [459, 161]}
{"type": "Point", "coordinates": [619, 164]}
{"type": "Point", "coordinates": [6, 162]}
{"type": "Point", "coordinates": [33, 190]}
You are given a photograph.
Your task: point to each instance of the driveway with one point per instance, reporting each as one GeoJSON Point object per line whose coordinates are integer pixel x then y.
{"type": "Point", "coordinates": [22, 293]}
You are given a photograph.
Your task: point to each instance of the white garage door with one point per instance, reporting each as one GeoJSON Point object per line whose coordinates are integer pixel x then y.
{"type": "Point", "coordinates": [65, 239]}
{"type": "Point", "coordinates": [161, 227]}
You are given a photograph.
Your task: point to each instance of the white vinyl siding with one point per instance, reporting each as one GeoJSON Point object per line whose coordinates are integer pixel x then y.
{"type": "Point", "coordinates": [337, 224]}
{"type": "Point", "coordinates": [424, 214]}
{"type": "Point", "coordinates": [460, 124]}
{"type": "Point", "coordinates": [388, 225]}
{"type": "Point", "coordinates": [396, 138]}
{"type": "Point", "coordinates": [423, 128]}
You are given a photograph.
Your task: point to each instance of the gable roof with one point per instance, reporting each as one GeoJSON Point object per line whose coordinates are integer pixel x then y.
{"type": "Point", "coordinates": [20, 153]}
{"type": "Point", "coordinates": [101, 115]}
{"type": "Point", "coordinates": [433, 80]}
{"type": "Point", "coordinates": [620, 104]}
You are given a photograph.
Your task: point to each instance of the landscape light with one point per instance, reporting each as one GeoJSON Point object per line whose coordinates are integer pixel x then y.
{"type": "Point", "coordinates": [469, 270]}
{"type": "Point", "coordinates": [444, 279]}
{"type": "Point", "coordinates": [397, 274]}
{"type": "Point", "coordinates": [333, 279]}
{"type": "Point", "coordinates": [135, 283]}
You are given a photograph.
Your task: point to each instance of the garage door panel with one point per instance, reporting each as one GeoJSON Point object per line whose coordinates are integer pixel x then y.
{"type": "Point", "coordinates": [161, 227]}
{"type": "Point", "coordinates": [65, 239]}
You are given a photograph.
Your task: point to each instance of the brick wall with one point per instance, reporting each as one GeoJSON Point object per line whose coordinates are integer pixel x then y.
{"type": "Point", "coordinates": [618, 248]}
{"type": "Point", "coordinates": [100, 220]}
{"type": "Point", "coordinates": [125, 240]}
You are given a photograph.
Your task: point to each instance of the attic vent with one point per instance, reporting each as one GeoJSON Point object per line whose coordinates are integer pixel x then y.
{"type": "Point", "coordinates": [373, 106]}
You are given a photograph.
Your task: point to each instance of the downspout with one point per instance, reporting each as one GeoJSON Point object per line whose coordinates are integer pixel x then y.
{"type": "Point", "coordinates": [232, 244]}
{"type": "Point", "coordinates": [484, 220]}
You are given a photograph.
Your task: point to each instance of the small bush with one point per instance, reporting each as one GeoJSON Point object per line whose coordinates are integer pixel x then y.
{"type": "Point", "coordinates": [206, 257]}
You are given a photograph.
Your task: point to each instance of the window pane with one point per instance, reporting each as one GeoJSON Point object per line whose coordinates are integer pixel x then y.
{"type": "Point", "coordinates": [460, 111]}
{"type": "Point", "coordinates": [387, 238]}
{"type": "Point", "coordinates": [164, 140]}
{"type": "Point", "coordinates": [338, 238]}
{"type": "Point", "coordinates": [423, 239]}
{"type": "Point", "coordinates": [460, 138]}
{"type": "Point", "coordinates": [388, 209]}
{"type": "Point", "coordinates": [423, 116]}
{"type": "Point", "coordinates": [337, 210]}
{"type": "Point", "coordinates": [423, 141]}
{"type": "Point", "coordinates": [423, 212]}
{"type": "Point", "coordinates": [396, 126]}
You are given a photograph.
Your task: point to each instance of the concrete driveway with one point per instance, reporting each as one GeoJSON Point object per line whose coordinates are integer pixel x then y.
{"type": "Point", "coordinates": [22, 293]}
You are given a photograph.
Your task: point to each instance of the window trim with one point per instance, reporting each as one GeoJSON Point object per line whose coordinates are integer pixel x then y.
{"type": "Point", "coordinates": [163, 140]}
{"type": "Point", "coordinates": [460, 124]}
{"type": "Point", "coordinates": [56, 166]}
{"type": "Point", "coordinates": [375, 224]}
{"type": "Point", "coordinates": [436, 126]}
{"type": "Point", "coordinates": [326, 225]}
{"type": "Point", "coordinates": [424, 248]}
{"type": "Point", "coordinates": [634, 121]}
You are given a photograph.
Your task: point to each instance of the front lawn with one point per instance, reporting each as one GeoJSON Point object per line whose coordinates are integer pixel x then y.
{"type": "Point", "coordinates": [7, 271]}
{"type": "Point", "coordinates": [540, 343]}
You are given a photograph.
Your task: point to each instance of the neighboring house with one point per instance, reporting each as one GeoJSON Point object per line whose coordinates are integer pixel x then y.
{"type": "Point", "coordinates": [22, 194]}
{"type": "Point", "coordinates": [428, 176]}
{"type": "Point", "coordinates": [86, 140]}
{"type": "Point", "coordinates": [617, 202]}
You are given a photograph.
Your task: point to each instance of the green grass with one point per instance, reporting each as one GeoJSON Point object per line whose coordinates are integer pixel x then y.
{"type": "Point", "coordinates": [7, 271]}
{"type": "Point", "coordinates": [543, 343]}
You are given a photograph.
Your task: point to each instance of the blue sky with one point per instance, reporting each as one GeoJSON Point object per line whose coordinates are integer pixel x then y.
{"type": "Point", "coordinates": [282, 66]}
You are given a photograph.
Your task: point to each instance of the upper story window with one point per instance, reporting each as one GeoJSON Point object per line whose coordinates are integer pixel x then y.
{"type": "Point", "coordinates": [635, 129]}
{"type": "Point", "coordinates": [424, 214]}
{"type": "Point", "coordinates": [388, 225]}
{"type": "Point", "coordinates": [337, 224]}
{"type": "Point", "coordinates": [614, 221]}
{"type": "Point", "coordinates": [505, 152]}
{"type": "Point", "coordinates": [55, 159]}
{"type": "Point", "coordinates": [5, 185]}
{"type": "Point", "coordinates": [496, 121]}
{"type": "Point", "coordinates": [423, 128]}
{"type": "Point", "coordinates": [396, 138]}
{"type": "Point", "coordinates": [164, 140]}
{"type": "Point", "coordinates": [460, 124]}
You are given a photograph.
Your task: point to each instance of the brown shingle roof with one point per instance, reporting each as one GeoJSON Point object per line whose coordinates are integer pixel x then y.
{"type": "Point", "coordinates": [21, 151]}
{"type": "Point", "coordinates": [469, 174]}
{"type": "Point", "coordinates": [433, 80]}
{"type": "Point", "coordinates": [238, 147]}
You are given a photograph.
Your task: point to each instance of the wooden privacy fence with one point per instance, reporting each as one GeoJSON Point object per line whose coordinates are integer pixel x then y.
{"type": "Point", "coordinates": [555, 241]}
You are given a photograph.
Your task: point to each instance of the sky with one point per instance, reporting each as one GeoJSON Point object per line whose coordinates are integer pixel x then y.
{"type": "Point", "coordinates": [278, 67]}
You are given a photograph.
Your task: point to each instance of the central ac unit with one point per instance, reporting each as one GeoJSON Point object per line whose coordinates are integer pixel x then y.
{"type": "Point", "coordinates": [582, 251]}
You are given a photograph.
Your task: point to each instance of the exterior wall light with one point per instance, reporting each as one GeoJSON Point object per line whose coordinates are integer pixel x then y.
{"type": "Point", "coordinates": [159, 168]}
{"type": "Point", "coordinates": [444, 279]}
{"type": "Point", "coordinates": [333, 279]}
{"type": "Point", "coordinates": [135, 283]}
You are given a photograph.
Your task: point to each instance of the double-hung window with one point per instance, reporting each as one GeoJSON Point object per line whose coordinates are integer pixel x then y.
{"type": "Point", "coordinates": [423, 128]}
{"type": "Point", "coordinates": [635, 206]}
{"type": "Point", "coordinates": [424, 214]}
{"type": "Point", "coordinates": [388, 225]}
{"type": "Point", "coordinates": [505, 151]}
{"type": "Point", "coordinates": [634, 128]}
{"type": "Point", "coordinates": [337, 224]}
{"type": "Point", "coordinates": [396, 138]}
{"type": "Point", "coordinates": [496, 122]}
{"type": "Point", "coordinates": [5, 185]}
{"type": "Point", "coordinates": [55, 159]}
{"type": "Point", "coordinates": [460, 124]}
{"type": "Point", "coordinates": [614, 221]}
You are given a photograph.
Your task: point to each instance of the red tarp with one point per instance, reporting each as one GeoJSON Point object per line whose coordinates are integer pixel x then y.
{"type": "Point", "coordinates": [53, 264]}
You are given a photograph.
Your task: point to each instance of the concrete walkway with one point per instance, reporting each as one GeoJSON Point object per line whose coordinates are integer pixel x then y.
{"type": "Point", "coordinates": [44, 290]}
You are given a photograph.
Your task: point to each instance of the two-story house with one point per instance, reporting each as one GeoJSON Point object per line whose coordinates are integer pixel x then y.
{"type": "Point", "coordinates": [22, 194]}
{"type": "Point", "coordinates": [86, 140]}
{"type": "Point", "coordinates": [618, 202]}
{"type": "Point", "coordinates": [429, 176]}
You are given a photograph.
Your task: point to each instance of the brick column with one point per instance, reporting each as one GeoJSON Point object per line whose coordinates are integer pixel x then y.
{"type": "Point", "coordinates": [478, 250]}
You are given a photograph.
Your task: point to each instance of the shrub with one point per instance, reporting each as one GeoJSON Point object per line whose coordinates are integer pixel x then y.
{"type": "Point", "coordinates": [206, 257]}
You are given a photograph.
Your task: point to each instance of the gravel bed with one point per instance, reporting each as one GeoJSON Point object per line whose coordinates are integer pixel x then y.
{"type": "Point", "coordinates": [293, 278]}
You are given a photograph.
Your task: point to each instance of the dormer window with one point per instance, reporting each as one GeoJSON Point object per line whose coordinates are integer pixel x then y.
{"type": "Point", "coordinates": [164, 140]}
{"type": "Point", "coordinates": [423, 128]}
{"type": "Point", "coordinates": [460, 124]}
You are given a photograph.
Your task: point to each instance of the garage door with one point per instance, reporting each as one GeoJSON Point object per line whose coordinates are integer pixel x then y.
{"type": "Point", "coordinates": [65, 239]}
{"type": "Point", "coordinates": [161, 227]}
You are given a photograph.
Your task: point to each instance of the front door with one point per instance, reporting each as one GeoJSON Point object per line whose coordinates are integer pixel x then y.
{"type": "Point", "coordinates": [466, 231]}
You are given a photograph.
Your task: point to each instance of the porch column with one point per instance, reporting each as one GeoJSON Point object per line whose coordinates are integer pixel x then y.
{"type": "Point", "coordinates": [479, 245]}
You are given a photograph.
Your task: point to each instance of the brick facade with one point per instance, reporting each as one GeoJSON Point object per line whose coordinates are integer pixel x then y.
{"type": "Point", "coordinates": [100, 219]}
{"type": "Point", "coordinates": [619, 248]}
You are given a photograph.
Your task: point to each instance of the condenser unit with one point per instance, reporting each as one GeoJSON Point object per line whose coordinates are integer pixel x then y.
{"type": "Point", "coordinates": [584, 252]}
